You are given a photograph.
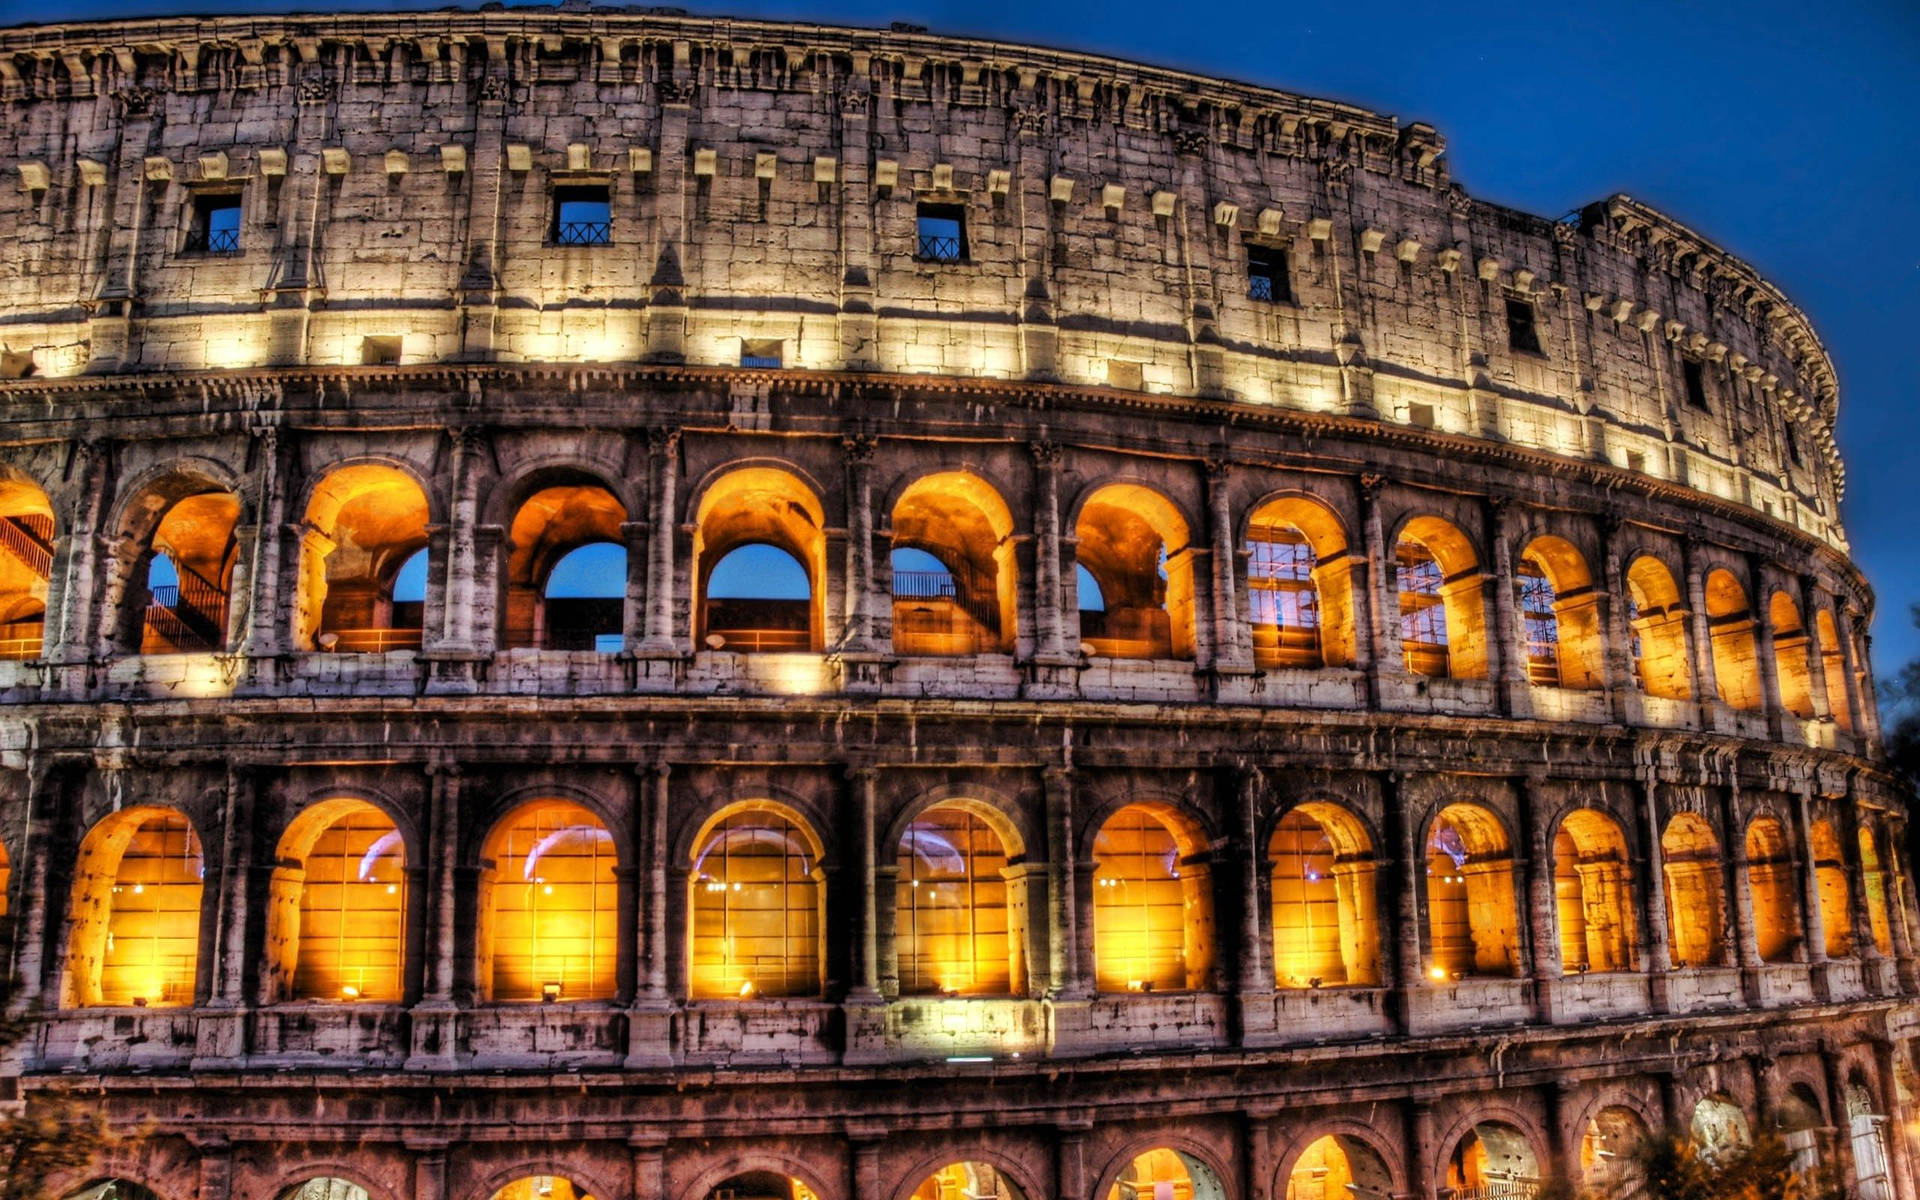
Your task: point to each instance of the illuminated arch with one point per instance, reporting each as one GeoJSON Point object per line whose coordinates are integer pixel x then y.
{"type": "Point", "coordinates": [114, 1189]}
{"type": "Point", "coordinates": [134, 933]}
{"type": "Point", "coordinates": [958, 925]}
{"type": "Point", "coordinates": [1326, 922]}
{"type": "Point", "coordinates": [969, 1180]}
{"type": "Point", "coordinates": [176, 594]}
{"type": "Point", "coordinates": [337, 906]}
{"type": "Point", "coordinates": [1339, 1166]}
{"type": "Point", "coordinates": [1559, 615]}
{"type": "Point", "coordinates": [758, 1185]}
{"type": "Point", "coordinates": [542, 1187]}
{"type": "Point", "coordinates": [1152, 905]}
{"type": "Point", "coordinates": [1836, 892]}
{"type": "Point", "coordinates": [567, 513]}
{"type": "Point", "coordinates": [1299, 584]}
{"type": "Point", "coordinates": [549, 905]}
{"type": "Point", "coordinates": [1167, 1173]}
{"type": "Point", "coordinates": [1491, 1159]}
{"type": "Point", "coordinates": [1833, 669]}
{"type": "Point", "coordinates": [1873, 880]}
{"type": "Point", "coordinates": [26, 564]}
{"type": "Point", "coordinates": [1736, 670]}
{"type": "Point", "coordinates": [1770, 886]}
{"type": "Point", "coordinates": [1790, 655]}
{"type": "Point", "coordinates": [1657, 616]}
{"type": "Point", "coordinates": [364, 522]}
{"type": "Point", "coordinates": [1607, 1149]}
{"type": "Point", "coordinates": [756, 899]}
{"type": "Point", "coordinates": [969, 605]}
{"type": "Point", "coordinates": [1437, 577]}
{"type": "Point", "coordinates": [1718, 1126]}
{"type": "Point", "coordinates": [1593, 893]}
{"type": "Point", "coordinates": [1471, 917]}
{"type": "Point", "coordinates": [1135, 545]}
{"type": "Point", "coordinates": [324, 1187]}
{"type": "Point", "coordinates": [760, 505]}
{"type": "Point", "coordinates": [1696, 909]}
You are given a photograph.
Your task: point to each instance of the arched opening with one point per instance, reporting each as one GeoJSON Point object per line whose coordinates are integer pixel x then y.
{"type": "Point", "coordinates": [1657, 616]}
{"type": "Point", "coordinates": [365, 522]}
{"type": "Point", "coordinates": [1867, 1131]}
{"type": "Point", "coordinates": [542, 1187]}
{"type": "Point", "coordinates": [337, 905]}
{"type": "Point", "coordinates": [761, 1185]}
{"type": "Point", "coordinates": [549, 905]}
{"type": "Point", "coordinates": [1492, 1161]}
{"type": "Point", "coordinates": [1790, 655]}
{"type": "Point", "coordinates": [1696, 914]}
{"type": "Point", "coordinates": [958, 927]}
{"type": "Point", "coordinates": [1443, 628]}
{"type": "Point", "coordinates": [1133, 542]}
{"type": "Point", "coordinates": [1736, 669]}
{"type": "Point", "coordinates": [1470, 905]}
{"type": "Point", "coordinates": [1337, 1167]}
{"type": "Point", "coordinates": [26, 564]}
{"type": "Point", "coordinates": [1326, 925]}
{"type": "Point", "coordinates": [1873, 879]}
{"type": "Point", "coordinates": [953, 571]}
{"type": "Point", "coordinates": [135, 933]}
{"type": "Point", "coordinates": [1607, 1151]}
{"type": "Point", "coordinates": [1559, 616]}
{"type": "Point", "coordinates": [180, 601]}
{"type": "Point", "coordinates": [968, 1181]}
{"type": "Point", "coordinates": [1152, 907]}
{"type": "Point", "coordinates": [1164, 1174]}
{"type": "Point", "coordinates": [114, 1189]}
{"type": "Point", "coordinates": [1593, 894]}
{"type": "Point", "coordinates": [1718, 1126]}
{"type": "Point", "coordinates": [1833, 669]}
{"type": "Point", "coordinates": [327, 1188]}
{"type": "Point", "coordinates": [760, 550]}
{"type": "Point", "coordinates": [1798, 1116]}
{"type": "Point", "coordinates": [1299, 585]}
{"type": "Point", "coordinates": [756, 903]}
{"type": "Point", "coordinates": [1776, 914]}
{"type": "Point", "coordinates": [1830, 872]}
{"type": "Point", "coordinates": [567, 569]}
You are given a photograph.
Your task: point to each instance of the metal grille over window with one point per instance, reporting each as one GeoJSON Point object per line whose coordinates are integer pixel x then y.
{"type": "Point", "coordinates": [1541, 627]}
{"type": "Point", "coordinates": [952, 925]}
{"type": "Point", "coordinates": [1286, 610]}
{"type": "Point", "coordinates": [756, 911]}
{"type": "Point", "coordinates": [582, 216]}
{"type": "Point", "coordinates": [1267, 275]}
{"type": "Point", "coordinates": [1423, 612]}
{"type": "Point", "coordinates": [215, 228]}
{"type": "Point", "coordinates": [942, 233]}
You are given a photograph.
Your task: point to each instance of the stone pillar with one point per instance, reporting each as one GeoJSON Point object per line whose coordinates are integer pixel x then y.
{"type": "Point", "coordinates": [1409, 967]}
{"type": "Point", "coordinates": [1555, 1102]}
{"type": "Point", "coordinates": [236, 869]}
{"type": "Point", "coordinates": [44, 804]}
{"type": "Point", "coordinates": [1232, 640]}
{"type": "Point", "coordinates": [443, 840]}
{"type": "Point", "coordinates": [459, 645]}
{"type": "Point", "coordinates": [1899, 892]}
{"type": "Point", "coordinates": [429, 1167]}
{"type": "Point", "coordinates": [1833, 1065]}
{"type": "Point", "coordinates": [1859, 923]}
{"type": "Point", "coordinates": [215, 1160]}
{"type": "Point", "coordinates": [859, 658]}
{"type": "Point", "coordinates": [1659, 945]}
{"type": "Point", "coordinates": [1766, 655]}
{"type": "Point", "coordinates": [635, 538]}
{"type": "Point", "coordinates": [267, 612]}
{"type": "Point", "coordinates": [664, 464]}
{"type": "Point", "coordinates": [1812, 919]}
{"type": "Point", "coordinates": [1423, 1156]}
{"type": "Point", "coordinates": [666, 315]}
{"type": "Point", "coordinates": [1051, 647]}
{"type": "Point", "coordinates": [1816, 668]}
{"type": "Point", "coordinates": [1705, 682]}
{"type": "Point", "coordinates": [1744, 932]}
{"type": "Point", "coordinates": [1899, 1140]}
{"type": "Point", "coordinates": [1066, 967]}
{"type": "Point", "coordinates": [1037, 214]}
{"type": "Point", "coordinates": [1866, 723]}
{"type": "Point", "coordinates": [865, 983]}
{"type": "Point", "coordinates": [647, 1153]}
{"type": "Point", "coordinates": [1506, 662]}
{"type": "Point", "coordinates": [1069, 1160]}
{"type": "Point", "coordinates": [1253, 976]}
{"type": "Point", "coordinates": [1623, 687]}
{"type": "Point", "coordinates": [1542, 926]}
{"type": "Point", "coordinates": [71, 615]}
{"type": "Point", "coordinates": [656, 780]}
{"type": "Point", "coordinates": [867, 1181]}
{"type": "Point", "coordinates": [1384, 656]}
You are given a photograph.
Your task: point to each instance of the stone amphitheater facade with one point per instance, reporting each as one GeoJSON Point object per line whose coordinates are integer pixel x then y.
{"type": "Point", "coordinates": [1299, 681]}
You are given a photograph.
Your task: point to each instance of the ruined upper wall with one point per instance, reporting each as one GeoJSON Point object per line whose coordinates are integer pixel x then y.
{"type": "Point", "coordinates": [397, 172]}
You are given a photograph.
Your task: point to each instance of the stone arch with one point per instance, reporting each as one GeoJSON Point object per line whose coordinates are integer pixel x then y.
{"type": "Point", "coordinates": [1607, 1140]}
{"type": "Point", "coordinates": [1472, 920]}
{"type": "Point", "coordinates": [28, 538]}
{"type": "Point", "coordinates": [112, 1187]}
{"type": "Point", "coordinates": [160, 968]}
{"type": "Point", "coordinates": [329, 1169]}
{"type": "Point", "coordinates": [1299, 582]}
{"type": "Point", "coordinates": [526, 480]}
{"type": "Point", "coordinates": [549, 930]}
{"type": "Point", "coordinates": [1205, 1169]}
{"type": "Point", "coordinates": [963, 522]}
{"type": "Point", "coordinates": [559, 510]}
{"type": "Point", "coordinates": [1351, 1135]}
{"type": "Point", "coordinates": [1790, 663]}
{"type": "Point", "coordinates": [1015, 1172]}
{"type": "Point", "coordinates": [1718, 1124]}
{"type": "Point", "coordinates": [1696, 904]}
{"type": "Point", "coordinates": [1874, 880]}
{"type": "Point", "coordinates": [959, 919]}
{"type": "Point", "coordinates": [1593, 893]}
{"type": "Point", "coordinates": [1833, 668]}
{"type": "Point", "coordinates": [585, 1181]}
{"type": "Point", "coordinates": [365, 519]}
{"type": "Point", "coordinates": [1152, 898]}
{"type": "Point", "coordinates": [1560, 614]}
{"type": "Point", "coordinates": [365, 909]}
{"type": "Point", "coordinates": [1009, 817]}
{"type": "Point", "coordinates": [1730, 624]}
{"type": "Point", "coordinates": [1657, 619]}
{"type": "Point", "coordinates": [183, 515]}
{"type": "Point", "coordinates": [755, 504]}
{"type": "Point", "coordinates": [1322, 870]}
{"type": "Point", "coordinates": [1137, 545]}
{"type": "Point", "coordinates": [1438, 581]}
{"type": "Point", "coordinates": [1492, 1146]}
{"type": "Point", "coordinates": [751, 1162]}
{"type": "Point", "coordinates": [757, 898]}
{"type": "Point", "coordinates": [1770, 886]}
{"type": "Point", "coordinates": [813, 813]}
{"type": "Point", "coordinates": [1835, 887]}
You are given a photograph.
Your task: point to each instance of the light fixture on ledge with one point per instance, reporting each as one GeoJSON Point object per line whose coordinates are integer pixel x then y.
{"type": "Point", "coordinates": [549, 992]}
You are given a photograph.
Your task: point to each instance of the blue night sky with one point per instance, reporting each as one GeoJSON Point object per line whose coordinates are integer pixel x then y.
{"type": "Point", "coordinates": [1788, 132]}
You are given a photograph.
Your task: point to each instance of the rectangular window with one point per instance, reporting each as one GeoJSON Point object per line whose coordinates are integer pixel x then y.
{"type": "Point", "coordinates": [380, 351]}
{"type": "Point", "coordinates": [582, 216]}
{"type": "Point", "coordinates": [1267, 277]}
{"type": "Point", "coordinates": [1522, 334]}
{"type": "Point", "coordinates": [1694, 372]}
{"type": "Point", "coordinates": [763, 354]}
{"type": "Point", "coordinates": [941, 234]}
{"type": "Point", "coordinates": [1793, 446]}
{"type": "Point", "coordinates": [215, 226]}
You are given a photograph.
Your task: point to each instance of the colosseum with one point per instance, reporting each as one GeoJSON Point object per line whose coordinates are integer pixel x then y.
{"type": "Point", "coordinates": [600, 603]}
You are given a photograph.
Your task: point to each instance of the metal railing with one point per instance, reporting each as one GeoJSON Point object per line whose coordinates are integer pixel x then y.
{"type": "Point", "coordinates": [190, 615]}
{"type": "Point", "coordinates": [21, 640]}
{"type": "Point", "coordinates": [18, 539]}
{"type": "Point", "coordinates": [1496, 1189]}
{"type": "Point", "coordinates": [935, 248]}
{"type": "Point", "coordinates": [372, 641]}
{"type": "Point", "coordinates": [583, 233]}
{"type": "Point", "coordinates": [925, 585]}
{"type": "Point", "coordinates": [213, 241]}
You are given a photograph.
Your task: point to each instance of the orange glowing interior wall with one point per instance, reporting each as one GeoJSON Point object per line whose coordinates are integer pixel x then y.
{"type": "Point", "coordinates": [26, 564]}
{"type": "Point", "coordinates": [549, 900]}
{"type": "Point", "coordinates": [1470, 903]}
{"type": "Point", "coordinates": [1658, 619]}
{"type": "Point", "coordinates": [756, 909]}
{"type": "Point", "coordinates": [197, 534]}
{"type": "Point", "coordinates": [1776, 915]}
{"type": "Point", "coordinates": [1320, 1173]}
{"type": "Point", "coordinates": [952, 926]}
{"type": "Point", "coordinates": [1151, 916]}
{"type": "Point", "coordinates": [1696, 916]}
{"type": "Point", "coordinates": [1736, 666]}
{"type": "Point", "coordinates": [1593, 894]}
{"type": "Point", "coordinates": [1325, 926]}
{"type": "Point", "coordinates": [1159, 1174]}
{"type": "Point", "coordinates": [966, 1181]}
{"type": "Point", "coordinates": [353, 903]}
{"type": "Point", "coordinates": [1607, 1149]}
{"type": "Point", "coordinates": [542, 1187]}
{"type": "Point", "coordinates": [1135, 544]}
{"type": "Point", "coordinates": [1874, 876]}
{"type": "Point", "coordinates": [1835, 895]}
{"type": "Point", "coordinates": [152, 943]}
{"type": "Point", "coordinates": [6, 879]}
{"type": "Point", "coordinates": [1790, 656]}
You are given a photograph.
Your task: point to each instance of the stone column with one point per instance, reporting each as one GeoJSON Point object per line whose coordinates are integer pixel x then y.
{"type": "Point", "coordinates": [267, 612]}
{"type": "Point", "coordinates": [635, 538]}
{"type": "Point", "coordinates": [1256, 1136]}
{"type": "Point", "coordinates": [1541, 925]}
{"type": "Point", "coordinates": [457, 631]}
{"type": "Point", "coordinates": [44, 803]}
{"type": "Point", "coordinates": [656, 780]}
{"type": "Point", "coordinates": [1506, 663]}
{"type": "Point", "coordinates": [1409, 967]}
{"type": "Point", "coordinates": [1037, 214]}
{"type": "Point", "coordinates": [1812, 920]}
{"type": "Point", "coordinates": [865, 983]}
{"type": "Point", "coordinates": [1069, 1160]}
{"type": "Point", "coordinates": [1051, 646]}
{"type": "Point", "coordinates": [1858, 921]}
{"type": "Point", "coordinates": [1899, 1140]}
{"type": "Point", "coordinates": [868, 1183]}
{"type": "Point", "coordinates": [71, 615]}
{"type": "Point", "coordinates": [1065, 965]}
{"type": "Point", "coordinates": [1232, 640]}
{"type": "Point", "coordinates": [236, 863]}
{"type": "Point", "coordinates": [443, 840]}
{"type": "Point", "coordinates": [1833, 1065]}
{"type": "Point", "coordinates": [1816, 668]}
{"type": "Point", "coordinates": [1423, 1157]}
{"type": "Point", "coordinates": [1899, 893]}
{"type": "Point", "coordinates": [429, 1167]}
{"type": "Point", "coordinates": [647, 1152]}
{"type": "Point", "coordinates": [1254, 974]}
{"type": "Point", "coordinates": [1659, 945]}
{"type": "Point", "coordinates": [1745, 936]}
{"type": "Point", "coordinates": [1384, 656]}
{"type": "Point", "coordinates": [215, 1160]}
{"type": "Point", "coordinates": [1766, 655]}
{"type": "Point", "coordinates": [1623, 687]}
{"type": "Point", "coordinates": [1705, 682]}
{"type": "Point", "coordinates": [1866, 725]}
{"type": "Point", "coordinates": [664, 464]}
{"type": "Point", "coordinates": [857, 450]}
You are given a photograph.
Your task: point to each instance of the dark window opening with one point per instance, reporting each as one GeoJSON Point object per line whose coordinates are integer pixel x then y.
{"type": "Point", "coordinates": [942, 233]}
{"type": "Point", "coordinates": [1267, 277]}
{"type": "Point", "coordinates": [1793, 446]}
{"type": "Point", "coordinates": [215, 228]}
{"type": "Point", "coordinates": [767, 355]}
{"type": "Point", "coordinates": [1522, 333]}
{"type": "Point", "coordinates": [582, 216]}
{"type": "Point", "coordinates": [1694, 372]}
{"type": "Point", "coordinates": [380, 351]}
